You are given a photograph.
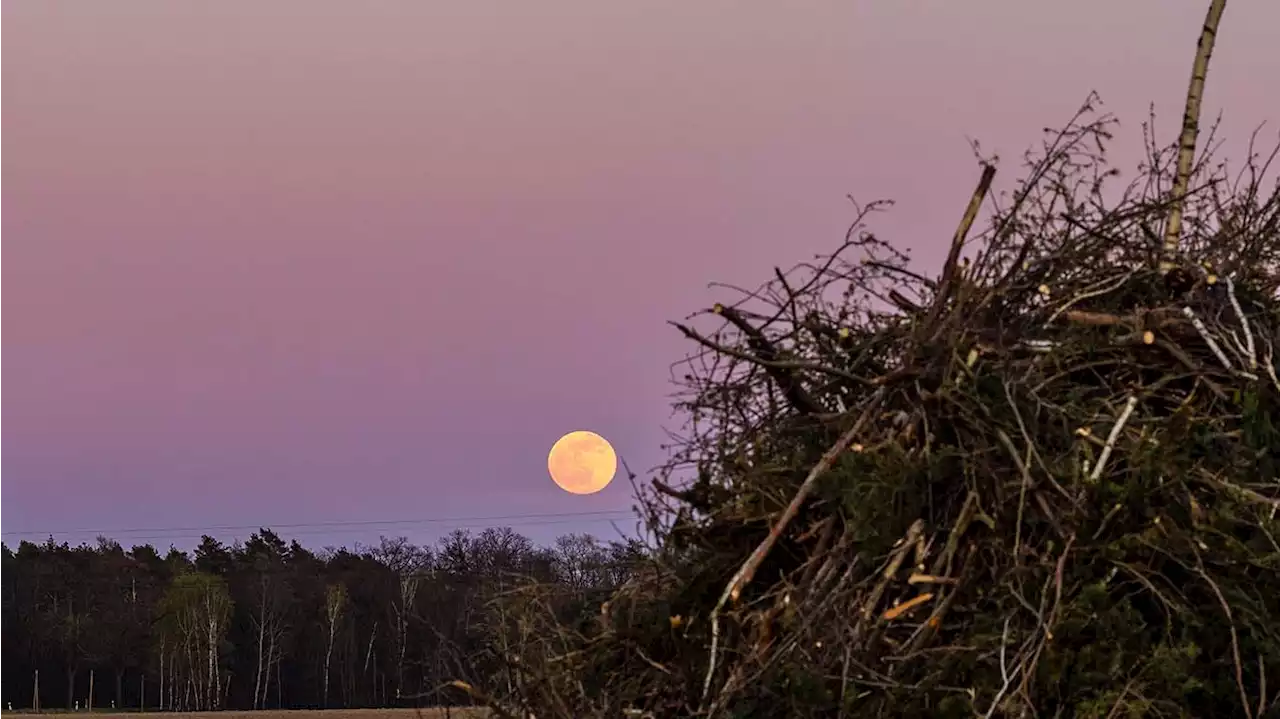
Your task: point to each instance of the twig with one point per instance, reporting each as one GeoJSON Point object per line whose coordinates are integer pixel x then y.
{"type": "Point", "coordinates": [1250, 351]}
{"type": "Point", "coordinates": [930, 579]}
{"type": "Point", "coordinates": [934, 623]}
{"type": "Point", "coordinates": [1270, 365]}
{"type": "Point", "coordinates": [744, 574]}
{"type": "Point", "coordinates": [766, 363]}
{"type": "Point", "coordinates": [1086, 295]}
{"type": "Point", "coordinates": [914, 532]}
{"type": "Point", "coordinates": [1083, 317]}
{"type": "Point", "coordinates": [968, 510]}
{"type": "Point", "coordinates": [1005, 674]}
{"type": "Point", "coordinates": [1022, 493]}
{"type": "Point", "coordinates": [1271, 372]}
{"type": "Point", "coordinates": [1120, 699]}
{"type": "Point", "coordinates": [1059, 571]}
{"type": "Point", "coordinates": [928, 283]}
{"type": "Point", "coordinates": [656, 665]}
{"type": "Point", "coordinates": [1033, 453]}
{"type": "Point", "coordinates": [1235, 643]}
{"type": "Point", "coordinates": [1262, 685]}
{"type": "Point", "coordinates": [1242, 492]}
{"type": "Point", "coordinates": [1192, 365]}
{"type": "Point", "coordinates": [947, 282]}
{"type": "Point", "coordinates": [1208, 338]}
{"type": "Point", "coordinates": [1111, 438]}
{"type": "Point", "coordinates": [787, 381]}
{"type": "Point", "coordinates": [894, 612]}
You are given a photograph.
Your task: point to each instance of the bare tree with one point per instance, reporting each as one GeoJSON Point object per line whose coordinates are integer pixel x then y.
{"type": "Point", "coordinates": [195, 614]}
{"type": "Point", "coordinates": [406, 561]}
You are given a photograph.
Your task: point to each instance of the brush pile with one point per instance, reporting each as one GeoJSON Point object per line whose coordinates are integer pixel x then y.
{"type": "Point", "coordinates": [1043, 483]}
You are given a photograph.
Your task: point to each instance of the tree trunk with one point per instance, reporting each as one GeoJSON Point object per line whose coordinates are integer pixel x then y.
{"type": "Point", "coordinates": [88, 703]}
{"type": "Point", "coordinates": [368, 655]}
{"type": "Point", "coordinates": [119, 689]}
{"type": "Point", "coordinates": [408, 592]}
{"type": "Point", "coordinates": [268, 657]}
{"type": "Point", "coordinates": [71, 687]}
{"type": "Point", "coordinates": [1190, 131]}
{"type": "Point", "coordinates": [335, 599]}
{"type": "Point", "coordinates": [328, 660]}
{"type": "Point", "coordinates": [258, 689]}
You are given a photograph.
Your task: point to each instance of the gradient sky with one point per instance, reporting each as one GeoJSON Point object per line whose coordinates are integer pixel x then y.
{"type": "Point", "coordinates": [276, 263]}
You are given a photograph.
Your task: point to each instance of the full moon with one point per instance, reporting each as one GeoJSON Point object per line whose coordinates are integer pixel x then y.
{"type": "Point", "coordinates": [582, 462]}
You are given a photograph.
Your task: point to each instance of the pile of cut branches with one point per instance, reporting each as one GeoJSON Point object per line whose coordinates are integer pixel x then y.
{"type": "Point", "coordinates": [1042, 483]}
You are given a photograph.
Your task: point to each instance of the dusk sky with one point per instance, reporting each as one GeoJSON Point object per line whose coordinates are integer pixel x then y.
{"type": "Point", "coordinates": [299, 263]}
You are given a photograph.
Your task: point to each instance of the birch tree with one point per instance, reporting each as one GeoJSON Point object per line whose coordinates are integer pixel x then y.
{"type": "Point", "coordinates": [264, 553]}
{"type": "Point", "coordinates": [406, 562]}
{"type": "Point", "coordinates": [194, 617]}
{"type": "Point", "coordinates": [335, 603]}
{"type": "Point", "coordinates": [1190, 132]}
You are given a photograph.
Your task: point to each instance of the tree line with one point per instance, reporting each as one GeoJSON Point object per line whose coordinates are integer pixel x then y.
{"type": "Point", "coordinates": [269, 624]}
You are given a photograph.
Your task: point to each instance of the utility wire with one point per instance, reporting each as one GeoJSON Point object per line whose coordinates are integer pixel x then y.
{"type": "Point", "coordinates": [524, 519]}
{"type": "Point", "coordinates": [153, 538]}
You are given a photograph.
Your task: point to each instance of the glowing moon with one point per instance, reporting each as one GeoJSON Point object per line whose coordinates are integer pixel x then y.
{"type": "Point", "coordinates": [582, 462]}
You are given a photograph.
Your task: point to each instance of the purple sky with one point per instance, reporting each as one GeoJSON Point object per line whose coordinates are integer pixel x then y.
{"type": "Point", "coordinates": [301, 262]}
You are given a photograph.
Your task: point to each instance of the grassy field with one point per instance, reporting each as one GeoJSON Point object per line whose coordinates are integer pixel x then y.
{"type": "Point", "coordinates": [300, 714]}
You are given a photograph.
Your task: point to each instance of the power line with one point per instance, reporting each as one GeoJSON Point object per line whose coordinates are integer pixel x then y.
{"type": "Point", "coordinates": [331, 526]}
{"type": "Point", "coordinates": [150, 538]}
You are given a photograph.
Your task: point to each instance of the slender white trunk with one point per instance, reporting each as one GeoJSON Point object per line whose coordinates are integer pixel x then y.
{"type": "Point", "coordinates": [408, 592]}
{"type": "Point", "coordinates": [269, 657]}
{"type": "Point", "coordinates": [333, 613]}
{"type": "Point", "coordinates": [257, 679]}
{"type": "Point", "coordinates": [328, 657]}
{"type": "Point", "coordinates": [162, 674]}
{"type": "Point", "coordinates": [1190, 131]}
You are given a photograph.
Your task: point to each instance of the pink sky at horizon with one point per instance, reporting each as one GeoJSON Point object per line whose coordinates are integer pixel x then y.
{"type": "Point", "coordinates": [300, 262]}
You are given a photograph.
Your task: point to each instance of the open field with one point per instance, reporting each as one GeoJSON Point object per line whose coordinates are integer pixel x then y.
{"type": "Point", "coordinates": [297, 714]}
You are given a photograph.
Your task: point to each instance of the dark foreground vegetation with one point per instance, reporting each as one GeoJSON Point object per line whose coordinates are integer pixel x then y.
{"type": "Point", "coordinates": [1039, 483]}
{"type": "Point", "coordinates": [269, 623]}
